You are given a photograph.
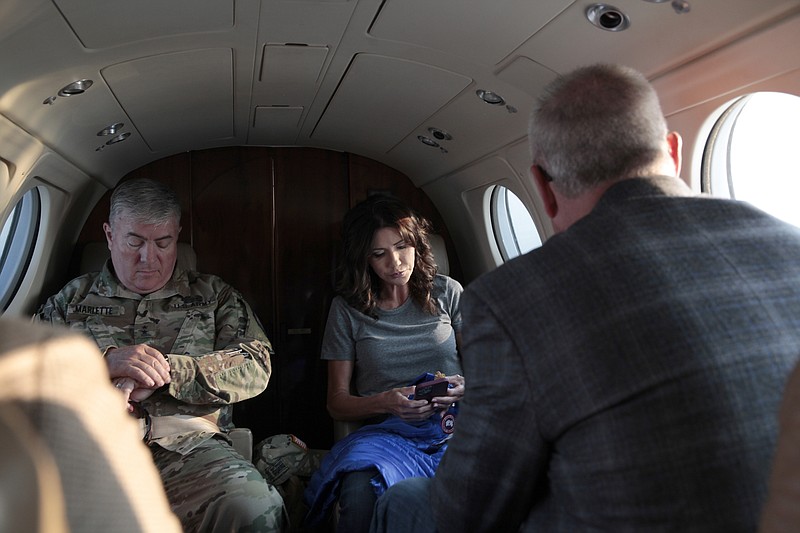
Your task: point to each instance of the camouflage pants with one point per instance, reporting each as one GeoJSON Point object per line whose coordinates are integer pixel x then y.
{"type": "Point", "coordinates": [214, 489]}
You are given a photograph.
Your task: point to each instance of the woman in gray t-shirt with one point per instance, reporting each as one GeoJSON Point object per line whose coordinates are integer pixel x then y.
{"type": "Point", "coordinates": [394, 319]}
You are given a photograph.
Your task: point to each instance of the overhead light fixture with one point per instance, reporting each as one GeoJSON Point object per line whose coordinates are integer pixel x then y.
{"type": "Point", "coordinates": [110, 130]}
{"type": "Point", "coordinates": [72, 89]}
{"type": "Point", "coordinates": [427, 141]}
{"type": "Point", "coordinates": [607, 17]}
{"type": "Point", "coordinates": [76, 87]}
{"type": "Point", "coordinates": [440, 135]}
{"type": "Point", "coordinates": [119, 138]}
{"type": "Point", "coordinates": [489, 97]}
{"type": "Point", "coordinates": [681, 6]}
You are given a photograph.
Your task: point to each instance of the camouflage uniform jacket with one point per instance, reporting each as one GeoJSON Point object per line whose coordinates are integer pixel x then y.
{"type": "Point", "coordinates": [218, 353]}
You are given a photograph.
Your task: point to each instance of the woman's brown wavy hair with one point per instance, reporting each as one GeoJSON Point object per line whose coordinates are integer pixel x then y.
{"type": "Point", "coordinates": [357, 283]}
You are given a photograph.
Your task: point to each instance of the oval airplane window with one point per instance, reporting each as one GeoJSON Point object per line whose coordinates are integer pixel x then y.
{"type": "Point", "coordinates": [514, 229]}
{"type": "Point", "coordinates": [16, 244]}
{"type": "Point", "coordinates": [751, 155]}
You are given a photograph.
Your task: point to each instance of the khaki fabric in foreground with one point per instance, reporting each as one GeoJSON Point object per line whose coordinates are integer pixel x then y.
{"type": "Point", "coordinates": [71, 459]}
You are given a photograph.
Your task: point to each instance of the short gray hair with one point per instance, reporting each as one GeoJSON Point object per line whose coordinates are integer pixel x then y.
{"type": "Point", "coordinates": [597, 123]}
{"type": "Point", "coordinates": [144, 200]}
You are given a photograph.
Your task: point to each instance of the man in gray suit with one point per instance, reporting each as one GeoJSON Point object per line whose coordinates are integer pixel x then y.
{"type": "Point", "coordinates": [626, 376]}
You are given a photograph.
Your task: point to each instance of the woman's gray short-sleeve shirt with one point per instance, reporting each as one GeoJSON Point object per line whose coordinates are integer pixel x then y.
{"type": "Point", "coordinates": [401, 344]}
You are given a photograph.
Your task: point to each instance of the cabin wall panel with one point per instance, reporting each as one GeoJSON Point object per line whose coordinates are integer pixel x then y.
{"type": "Point", "coordinates": [268, 221]}
{"type": "Point", "coordinates": [311, 198]}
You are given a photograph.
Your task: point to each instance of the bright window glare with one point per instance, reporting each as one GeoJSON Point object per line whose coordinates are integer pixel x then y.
{"type": "Point", "coordinates": [527, 236]}
{"type": "Point", "coordinates": [761, 155]}
{"type": "Point", "coordinates": [514, 230]}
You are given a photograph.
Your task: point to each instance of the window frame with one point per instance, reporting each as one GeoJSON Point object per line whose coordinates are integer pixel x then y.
{"type": "Point", "coordinates": [711, 162]}
{"type": "Point", "coordinates": [18, 237]}
{"type": "Point", "coordinates": [758, 124]}
{"type": "Point", "coordinates": [503, 229]}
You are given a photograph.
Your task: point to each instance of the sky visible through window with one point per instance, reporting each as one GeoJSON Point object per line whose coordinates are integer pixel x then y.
{"type": "Point", "coordinates": [514, 228]}
{"type": "Point", "coordinates": [763, 154]}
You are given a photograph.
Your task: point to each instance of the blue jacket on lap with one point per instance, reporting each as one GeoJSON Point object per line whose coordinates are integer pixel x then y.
{"type": "Point", "coordinates": [397, 449]}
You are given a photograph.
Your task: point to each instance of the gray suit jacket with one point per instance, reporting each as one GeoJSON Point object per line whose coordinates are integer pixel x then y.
{"type": "Point", "coordinates": [627, 375]}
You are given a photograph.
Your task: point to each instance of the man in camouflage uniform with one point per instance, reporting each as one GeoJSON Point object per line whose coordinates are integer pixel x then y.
{"type": "Point", "coordinates": [183, 347]}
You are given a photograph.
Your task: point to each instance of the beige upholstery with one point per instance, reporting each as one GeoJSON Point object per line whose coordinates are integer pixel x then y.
{"type": "Point", "coordinates": [93, 257]}
{"type": "Point", "coordinates": [95, 254]}
{"type": "Point", "coordinates": [439, 253]}
{"type": "Point", "coordinates": [342, 428]}
{"type": "Point", "coordinates": [242, 440]}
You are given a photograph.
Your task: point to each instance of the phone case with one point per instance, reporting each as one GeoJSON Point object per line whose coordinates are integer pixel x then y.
{"type": "Point", "coordinates": [431, 389]}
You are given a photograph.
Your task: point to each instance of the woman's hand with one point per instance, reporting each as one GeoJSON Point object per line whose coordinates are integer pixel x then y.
{"type": "Point", "coordinates": [454, 393]}
{"type": "Point", "coordinates": [398, 404]}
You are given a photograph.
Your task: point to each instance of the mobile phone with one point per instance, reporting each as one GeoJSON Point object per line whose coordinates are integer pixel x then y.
{"type": "Point", "coordinates": [427, 390]}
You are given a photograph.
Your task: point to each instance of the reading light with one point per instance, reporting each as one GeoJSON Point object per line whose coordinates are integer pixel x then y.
{"type": "Point", "coordinates": [76, 87]}
{"type": "Point", "coordinates": [681, 6]}
{"type": "Point", "coordinates": [440, 135]}
{"type": "Point", "coordinates": [110, 130]}
{"type": "Point", "coordinates": [607, 17]}
{"type": "Point", "coordinates": [119, 138]}
{"type": "Point", "coordinates": [428, 141]}
{"type": "Point", "coordinates": [489, 97]}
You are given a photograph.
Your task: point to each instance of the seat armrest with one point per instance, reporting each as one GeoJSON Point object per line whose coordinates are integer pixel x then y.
{"type": "Point", "coordinates": [342, 428]}
{"type": "Point", "coordinates": [242, 439]}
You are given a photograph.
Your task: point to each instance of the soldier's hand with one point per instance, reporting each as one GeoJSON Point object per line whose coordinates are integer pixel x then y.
{"type": "Point", "coordinates": [140, 362]}
{"type": "Point", "coordinates": [125, 386]}
{"type": "Point", "coordinates": [131, 391]}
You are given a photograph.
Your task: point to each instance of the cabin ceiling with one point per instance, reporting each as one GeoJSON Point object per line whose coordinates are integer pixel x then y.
{"type": "Point", "coordinates": [362, 76]}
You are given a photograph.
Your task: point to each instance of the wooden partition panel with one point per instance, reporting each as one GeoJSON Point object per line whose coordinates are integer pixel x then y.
{"type": "Point", "coordinates": [311, 198]}
{"type": "Point", "coordinates": [231, 193]}
{"type": "Point", "coordinates": [267, 220]}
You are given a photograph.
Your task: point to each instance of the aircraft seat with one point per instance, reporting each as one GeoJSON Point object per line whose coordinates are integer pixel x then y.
{"type": "Point", "coordinates": [95, 254]}
{"type": "Point", "coordinates": [439, 251]}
